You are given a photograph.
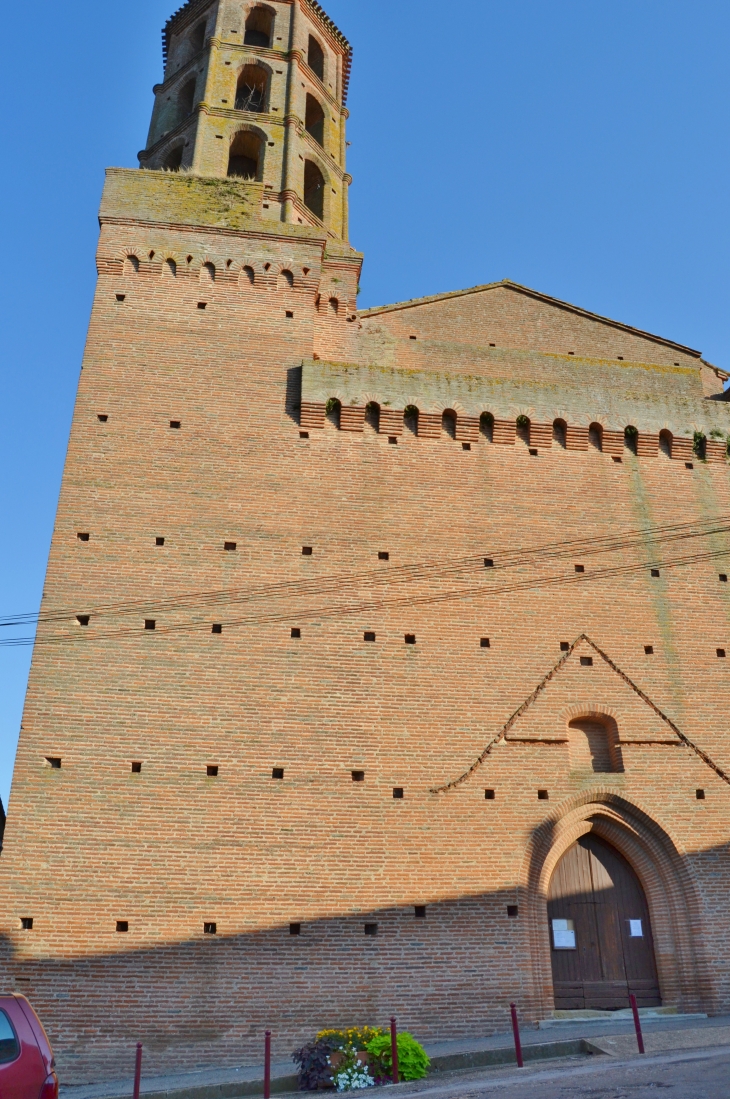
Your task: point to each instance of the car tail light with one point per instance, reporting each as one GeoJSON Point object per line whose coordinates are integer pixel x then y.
{"type": "Point", "coordinates": [50, 1088]}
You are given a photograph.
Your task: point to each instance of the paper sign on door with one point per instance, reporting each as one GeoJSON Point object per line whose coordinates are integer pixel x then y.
{"type": "Point", "coordinates": [635, 929]}
{"type": "Point", "coordinates": [563, 935]}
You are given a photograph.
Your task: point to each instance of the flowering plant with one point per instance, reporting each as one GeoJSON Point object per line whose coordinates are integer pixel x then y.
{"type": "Point", "coordinates": [351, 1074]}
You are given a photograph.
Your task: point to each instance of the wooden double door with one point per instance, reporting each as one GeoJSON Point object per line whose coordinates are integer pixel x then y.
{"type": "Point", "coordinates": [600, 935]}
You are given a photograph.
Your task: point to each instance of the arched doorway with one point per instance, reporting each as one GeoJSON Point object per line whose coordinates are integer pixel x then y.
{"type": "Point", "coordinates": [601, 940]}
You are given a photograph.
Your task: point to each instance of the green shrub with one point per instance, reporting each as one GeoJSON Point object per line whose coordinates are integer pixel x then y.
{"type": "Point", "coordinates": [413, 1063]}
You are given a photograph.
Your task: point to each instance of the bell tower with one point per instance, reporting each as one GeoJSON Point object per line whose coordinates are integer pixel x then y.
{"type": "Point", "coordinates": [256, 91]}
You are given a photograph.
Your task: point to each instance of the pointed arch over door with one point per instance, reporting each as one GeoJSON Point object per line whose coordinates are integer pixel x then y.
{"type": "Point", "coordinates": [602, 947]}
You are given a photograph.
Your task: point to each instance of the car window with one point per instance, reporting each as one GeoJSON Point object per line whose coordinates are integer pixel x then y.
{"type": "Point", "coordinates": [9, 1045]}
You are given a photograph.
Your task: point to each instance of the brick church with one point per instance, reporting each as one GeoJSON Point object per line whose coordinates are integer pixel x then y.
{"type": "Point", "coordinates": [382, 664]}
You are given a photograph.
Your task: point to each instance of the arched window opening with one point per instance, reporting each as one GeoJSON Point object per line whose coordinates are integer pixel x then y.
{"type": "Point", "coordinates": [410, 418]}
{"type": "Point", "coordinates": [699, 445]}
{"type": "Point", "coordinates": [665, 442]}
{"type": "Point", "coordinates": [247, 277]}
{"type": "Point", "coordinates": [285, 280]}
{"type": "Point", "coordinates": [333, 306]}
{"type": "Point", "coordinates": [372, 415]}
{"type": "Point", "coordinates": [594, 745]}
{"type": "Point", "coordinates": [332, 411]}
{"type": "Point", "coordinates": [259, 26]}
{"type": "Point", "coordinates": [197, 37]}
{"type": "Point", "coordinates": [314, 120]}
{"type": "Point", "coordinates": [207, 273]}
{"type": "Point", "coordinates": [559, 430]}
{"type": "Point", "coordinates": [522, 429]}
{"type": "Point", "coordinates": [186, 100]}
{"type": "Point", "coordinates": [315, 58]}
{"type": "Point", "coordinates": [486, 425]}
{"type": "Point", "coordinates": [173, 160]}
{"type": "Point", "coordinates": [595, 436]}
{"type": "Point", "coordinates": [630, 438]}
{"type": "Point", "coordinates": [251, 89]}
{"type": "Point", "coordinates": [448, 423]}
{"type": "Point", "coordinates": [131, 265]}
{"type": "Point", "coordinates": [169, 269]}
{"type": "Point", "coordinates": [245, 156]}
{"type": "Point", "coordinates": [314, 189]}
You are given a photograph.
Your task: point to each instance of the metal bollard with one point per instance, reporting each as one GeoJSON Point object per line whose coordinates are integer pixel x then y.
{"type": "Point", "coordinates": [267, 1065]}
{"type": "Point", "coordinates": [394, 1048]}
{"type": "Point", "coordinates": [137, 1070]}
{"type": "Point", "coordinates": [516, 1032]}
{"type": "Point", "coordinates": [637, 1023]}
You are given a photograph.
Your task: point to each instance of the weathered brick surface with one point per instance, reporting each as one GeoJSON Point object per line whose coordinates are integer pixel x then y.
{"type": "Point", "coordinates": [258, 463]}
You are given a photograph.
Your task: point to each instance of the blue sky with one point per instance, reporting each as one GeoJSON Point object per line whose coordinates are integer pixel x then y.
{"type": "Point", "coordinates": [577, 146]}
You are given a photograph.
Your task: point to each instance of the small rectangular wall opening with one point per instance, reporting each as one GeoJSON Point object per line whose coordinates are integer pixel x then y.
{"type": "Point", "coordinates": [212, 770]}
{"type": "Point", "coordinates": [83, 619]}
{"type": "Point", "coordinates": [102, 417]}
{"type": "Point", "coordinates": [649, 650]}
{"type": "Point", "coordinates": [383, 555]}
{"type": "Point", "coordinates": [306, 551]}
{"type": "Point", "coordinates": [277, 772]}
{"type": "Point", "coordinates": [720, 652]}
{"type": "Point", "coordinates": [54, 762]}
{"type": "Point", "coordinates": [358, 776]}
{"type": "Point", "coordinates": [150, 624]}
{"type": "Point", "coordinates": [83, 536]}
{"type": "Point", "coordinates": [296, 633]}
{"type": "Point", "coordinates": [722, 577]}
{"type": "Point", "coordinates": [368, 635]}
{"type": "Point", "coordinates": [159, 541]}
{"type": "Point", "coordinates": [26, 923]}
{"type": "Point", "coordinates": [216, 628]}
{"type": "Point", "coordinates": [485, 643]}
{"type": "Point", "coordinates": [121, 297]}
{"type": "Point", "coordinates": [419, 912]}
{"type": "Point", "coordinates": [230, 547]}
{"type": "Point", "coordinates": [543, 795]}
{"type": "Point", "coordinates": [565, 646]}
{"type": "Point", "coordinates": [175, 425]}
{"type": "Point", "coordinates": [295, 929]}
{"type": "Point", "coordinates": [136, 767]}
{"type": "Point", "coordinates": [122, 926]}
{"type": "Point", "coordinates": [700, 795]}
{"type": "Point", "coordinates": [579, 568]}
{"type": "Point", "coordinates": [371, 929]}
{"type": "Point", "coordinates": [512, 911]}
{"type": "Point", "coordinates": [410, 639]}
{"type": "Point", "coordinates": [398, 792]}
{"type": "Point", "coordinates": [655, 572]}
{"type": "Point", "coordinates": [587, 661]}
{"type": "Point", "coordinates": [303, 434]}
{"type": "Point", "coordinates": [489, 795]}
{"type": "Point", "coordinates": [210, 928]}
{"type": "Point", "coordinates": [488, 562]}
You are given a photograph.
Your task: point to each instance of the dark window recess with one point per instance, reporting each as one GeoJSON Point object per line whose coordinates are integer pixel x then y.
{"type": "Point", "coordinates": [413, 337]}
{"type": "Point", "coordinates": [565, 646]}
{"type": "Point", "coordinates": [649, 650]}
{"type": "Point", "coordinates": [542, 795]}
{"type": "Point", "coordinates": [122, 925]}
{"type": "Point", "coordinates": [54, 762]}
{"type": "Point", "coordinates": [289, 314]}
{"type": "Point", "coordinates": [175, 425]}
{"type": "Point", "coordinates": [371, 929]}
{"type": "Point", "coordinates": [617, 459]}
{"type": "Point", "coordinates": [26, 923]}
{"type": "Point", "coordinates": [212, 770]}
{"type": "Point", "coordinates": [398, 792]}
{"type": "Point", "coordinates": [513, 911]}
{"type": "Point", "coordinates": [150, 624]}
{"type": "Point", "coordinates": [136, 767]}
{"type": "Point", "coordinates": [296, 632]}
{"type": "Point", "coordinates": [358, 776]}
{"type": "Point", "coordinates": [83, 619]}
{"type": "Point", "coordinates": [295, 929]}
{"type": "Point", "coordinates": [466, 446]}
{"type": "Point", "coordinates": [393, 440]}
{"type": "Point", "coordinates": [580, 568]}
{"type": "Point", "coordinates": [202, 305]}
{"type": "Point", "coordinates": [723, 578]}
{"type": "Point", "coordinates": [369, 635]}
{"type": "Point", "coordinates": [210, 928]}
{"type": "Point", "coordinates": [700, 795]}
{"type": "Point", "coordinates": [277, 772]}
{"type": "Point", "coordinates": [533, 452]}
{"type": "Point", "coordinates": [489, 795]}
{"type": "Point", "coordinates": [488, 563]}
{"type": "Point", "coordinates": [485, 643]}
{"type": "Point", "coordinates": [102, 418]}
{"type": "Point", "coordinates": [383, 556]}
{"type": "Point", "coordinates": [159, 541]}
{"type": "Point", "coordinates": [216, 628]}
{"type": "Point", "coordinates": [230, 546]}
{"type": "Point", "coordinates": [587, 661]}
{"type": "Point", "coordinates": [720, 652]}
{"type": "Point", "coordinates": [655, 572]}
{"type": "Point", "coordinates": [689, 465]}
{"type": "Point", "coordinates": [303, 434]}
{"type": "Point", "coordinates": [419, 912]}
{"type": "Point", "coordinates": [121, 297]}
{"type": "Point", "coordinates": [83, 537]}
{"type": "Point", "coordinates": [410, 639]}
{"type": "Point", "coordinates": [306, 551]}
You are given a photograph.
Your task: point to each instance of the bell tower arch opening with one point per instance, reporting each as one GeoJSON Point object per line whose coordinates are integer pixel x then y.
{"type": "Point", "coordinates": [314, 189]}
{"type": "Point", "coordinates": [259, 28]}
{"type": "Point", "coordinates": [244, 160]}
{"type": "Point", "coordinates": [602, 947]}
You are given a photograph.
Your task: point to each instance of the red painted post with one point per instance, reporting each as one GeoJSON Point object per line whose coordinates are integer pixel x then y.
{"type": "Point", "coordinates": [394, 1049]}
{"type": "Point", "coordinates": [267, 1065]}
{"type": "Point", "coordinates": [516, 1032]}
{"type": "Point", "coordinates": [637, 1023]}
{"type": "Point", "coordinates": [137, 1070]}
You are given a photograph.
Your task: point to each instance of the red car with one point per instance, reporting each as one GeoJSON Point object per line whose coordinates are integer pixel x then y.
{"type": "Point", "coordinates": [26, 1057]}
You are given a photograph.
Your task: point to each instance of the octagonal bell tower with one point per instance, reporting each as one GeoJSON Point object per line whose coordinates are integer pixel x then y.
{"type": "Point", "coordinates": [257, 91]}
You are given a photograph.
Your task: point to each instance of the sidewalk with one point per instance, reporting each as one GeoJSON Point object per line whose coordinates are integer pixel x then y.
{"type": "Point", "coordinates": [613, 1037]}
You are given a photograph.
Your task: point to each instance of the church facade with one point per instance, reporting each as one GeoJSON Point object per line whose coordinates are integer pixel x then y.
{"type": "Point", "coordinates": [382, 664]}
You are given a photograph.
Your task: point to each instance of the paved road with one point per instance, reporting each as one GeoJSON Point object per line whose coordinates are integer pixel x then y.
{"type": "Point", "coordinates": [692, 1074]}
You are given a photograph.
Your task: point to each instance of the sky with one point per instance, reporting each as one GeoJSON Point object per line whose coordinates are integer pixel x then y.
{"type": "Point", "coordinates": [579, 147]}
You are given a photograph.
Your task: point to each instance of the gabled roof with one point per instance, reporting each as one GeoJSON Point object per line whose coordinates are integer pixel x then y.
{"type": "Point", "coordinates": [509, 285]}
{"type": "Point", "coordinates": [192, 7]}
{"type": "Point", "coordinates": [582, 640]}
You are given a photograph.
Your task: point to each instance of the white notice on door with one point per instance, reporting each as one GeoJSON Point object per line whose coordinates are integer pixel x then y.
{"type": "Point", "coordinates": [563, 935]}
{"type": "Point", "coordinates": [635, 929]}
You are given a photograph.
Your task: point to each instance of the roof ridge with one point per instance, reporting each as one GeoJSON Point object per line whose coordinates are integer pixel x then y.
{"type": "Point", "coordinates": [524, 706]}
{"type": "Point", "coordinates": [519, 288]}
